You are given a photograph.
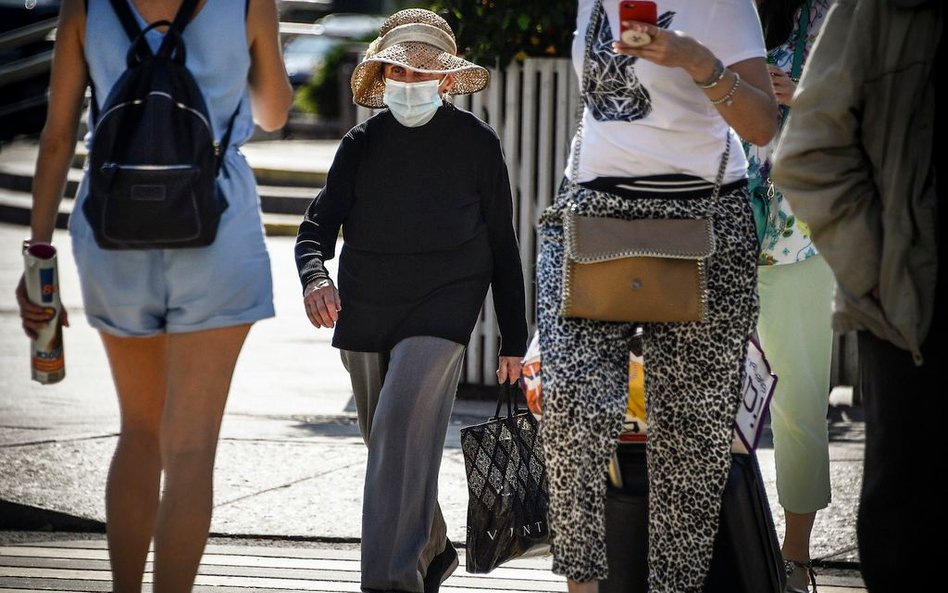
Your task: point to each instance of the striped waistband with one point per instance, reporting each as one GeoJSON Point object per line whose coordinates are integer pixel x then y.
{"type": "Point", "coordinates": [660, 187]}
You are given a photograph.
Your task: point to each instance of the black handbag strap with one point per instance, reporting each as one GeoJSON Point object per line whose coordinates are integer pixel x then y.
{"type": "Point", "coordinates": [508, 393]}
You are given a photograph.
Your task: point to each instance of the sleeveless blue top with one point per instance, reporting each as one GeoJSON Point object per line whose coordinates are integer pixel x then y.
{"type": "Point", "coordinates": [217, 56]}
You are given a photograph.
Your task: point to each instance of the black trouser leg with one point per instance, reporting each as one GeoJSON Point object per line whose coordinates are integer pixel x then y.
{"type": "Point", "coordinates": [901, 509]}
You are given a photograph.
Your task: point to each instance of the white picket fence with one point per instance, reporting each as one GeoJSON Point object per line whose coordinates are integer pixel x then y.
{"type": "Point", "coordinates": [532, 106]}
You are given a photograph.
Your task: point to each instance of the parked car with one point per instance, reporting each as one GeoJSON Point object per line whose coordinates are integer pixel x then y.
{"type": "Point", "coordinates": [308, 10]}
{"type": "Point", "coordinates": [303, 10]}
{"type": "Point", "coordinates": [306, 47]}
{"type": "Point", "coordinates": [302, 54]}
{"type": "Point", "coordinates": [354, 26]}
{"type": "Point", "coordinates": [26, 44]}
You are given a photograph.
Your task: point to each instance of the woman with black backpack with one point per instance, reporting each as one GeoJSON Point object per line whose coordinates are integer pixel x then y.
{"type": "Point", "coordinates": [156, 294]}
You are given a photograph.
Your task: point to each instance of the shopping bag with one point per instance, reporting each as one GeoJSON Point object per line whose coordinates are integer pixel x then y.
{"type": "Point", "coordinates": [508, 500]}
{"type": "Point", "coordinates": [756, 392]}
{"type": "Point", "coordinates": [746, 556]}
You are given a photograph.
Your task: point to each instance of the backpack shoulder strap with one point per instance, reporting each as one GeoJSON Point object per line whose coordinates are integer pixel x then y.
{"type": "Point", "coordinates": [127, 19]}
{"type": "Point", "coordinates": [184, 14]}
{"type": "Point", "coordinates": [181, 20]}
{"type": "Point", "coordinates": [224, 142]}
{"type": "Point", "coordinates": [225, 139]}
{"type": "Point", "coordinates": [94, 104]}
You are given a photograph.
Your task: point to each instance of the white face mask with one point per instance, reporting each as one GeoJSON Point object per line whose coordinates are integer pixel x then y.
{"type": "Point", "coordinates": [412, 103]}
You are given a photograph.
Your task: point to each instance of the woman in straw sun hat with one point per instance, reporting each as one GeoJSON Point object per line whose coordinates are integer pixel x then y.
{"type": "Point", "coordinates": [422, 196]}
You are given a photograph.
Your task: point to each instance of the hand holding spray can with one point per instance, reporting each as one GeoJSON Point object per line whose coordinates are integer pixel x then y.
{"type": "Point", "coordinates": [42, 288]}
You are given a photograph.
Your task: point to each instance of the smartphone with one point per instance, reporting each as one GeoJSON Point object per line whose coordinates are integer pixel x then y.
{"type": "Point", "coordinates": [643, 11]}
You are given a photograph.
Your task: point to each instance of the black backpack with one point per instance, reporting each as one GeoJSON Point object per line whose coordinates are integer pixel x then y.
{"type": "Point", "coordinates": [154, 162]}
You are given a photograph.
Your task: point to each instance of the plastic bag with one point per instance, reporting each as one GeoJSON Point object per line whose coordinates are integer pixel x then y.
{"type": "Point", "coordinates": [530, 374]}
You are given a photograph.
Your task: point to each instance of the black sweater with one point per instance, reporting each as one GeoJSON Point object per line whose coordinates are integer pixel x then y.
{"type": "Point", "coordinates": [426, 218]}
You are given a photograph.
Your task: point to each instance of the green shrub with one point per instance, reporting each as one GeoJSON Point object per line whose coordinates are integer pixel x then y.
{"type": "Point", "coordinates": [320, 95]}
{"type": "Point", "coordinates": [496, 32]}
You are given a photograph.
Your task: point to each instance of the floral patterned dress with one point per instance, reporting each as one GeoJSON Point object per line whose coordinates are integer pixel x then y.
{"type": "Point", "coordinates": [787, 239]}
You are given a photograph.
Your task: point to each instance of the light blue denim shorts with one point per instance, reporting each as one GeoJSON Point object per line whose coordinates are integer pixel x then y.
{"type": "Point", "coordinates": [139, 293]}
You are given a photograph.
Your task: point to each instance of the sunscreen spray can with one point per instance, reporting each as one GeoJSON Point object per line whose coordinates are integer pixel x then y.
{"type": "Point", "coordinates": [42, 288]}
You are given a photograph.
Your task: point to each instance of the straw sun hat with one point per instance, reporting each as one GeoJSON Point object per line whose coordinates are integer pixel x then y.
{"type": "Point", "coordinates": [420, 40]}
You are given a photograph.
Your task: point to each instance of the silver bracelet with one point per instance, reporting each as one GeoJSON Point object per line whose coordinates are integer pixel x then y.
{"type": "Point", "coordinates": [728, 99]}
{"type": "Point", "coordinates": [716, 75]}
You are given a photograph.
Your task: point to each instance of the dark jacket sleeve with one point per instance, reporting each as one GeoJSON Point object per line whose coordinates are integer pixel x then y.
{"type": "Point", "coordinates": [316, 239]}
{"type": "Point", "coordinates": [507, 279]}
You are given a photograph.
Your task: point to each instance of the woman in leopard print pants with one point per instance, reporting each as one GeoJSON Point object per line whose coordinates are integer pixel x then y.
{"type": "Point", "coordinates": [656, 121]}
{"type": "Point", "coordinates": [692, 385]}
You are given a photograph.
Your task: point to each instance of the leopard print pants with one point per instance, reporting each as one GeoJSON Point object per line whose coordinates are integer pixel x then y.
{"type": "Point", "coordinates": [692, 382]}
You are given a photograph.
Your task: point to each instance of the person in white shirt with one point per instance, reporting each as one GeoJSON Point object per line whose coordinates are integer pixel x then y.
{"type": "Point", "coordinates": [669, 115]}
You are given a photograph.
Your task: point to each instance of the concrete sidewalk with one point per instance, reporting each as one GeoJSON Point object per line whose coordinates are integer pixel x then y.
{"type": "Point", "coordinates": [232, 566]}
{"type": "Point", "coordinates": [79, 563]}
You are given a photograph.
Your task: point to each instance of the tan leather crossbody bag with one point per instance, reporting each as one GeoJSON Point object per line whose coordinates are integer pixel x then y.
{"type": "Point", "coordinates": [635, 270]}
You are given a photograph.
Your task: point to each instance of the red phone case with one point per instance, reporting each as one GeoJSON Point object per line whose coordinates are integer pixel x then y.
{"type": "Point", "coordinates": [643, 11]}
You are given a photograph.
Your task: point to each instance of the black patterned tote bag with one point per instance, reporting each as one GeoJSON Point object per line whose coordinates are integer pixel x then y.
{"type": "Point", "coordinates": [508, 498]}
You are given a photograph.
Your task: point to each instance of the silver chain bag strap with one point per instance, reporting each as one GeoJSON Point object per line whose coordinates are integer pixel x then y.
{"type": "Point", "coordinates": [644, 270]}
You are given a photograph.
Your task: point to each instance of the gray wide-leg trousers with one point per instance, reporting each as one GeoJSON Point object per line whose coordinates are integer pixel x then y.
{"type": "Point", "coordinates": [404, 399]}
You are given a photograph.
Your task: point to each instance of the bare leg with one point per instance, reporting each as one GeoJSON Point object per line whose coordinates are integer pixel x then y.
{"type": "Point", "coordinates": [796, 552]}
{"type": "Point", "coordinates": [131, 492]}
{"type": "Point", "coordinates": [200, 367]}
{"type": "Point", "coordinates": [796, 538]}
{"type": "Point", "coordinates": [582, 587]}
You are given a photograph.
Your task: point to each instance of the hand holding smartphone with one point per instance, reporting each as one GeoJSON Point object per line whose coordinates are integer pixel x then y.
{"type": "Point", "coordinates": [643, 11]}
